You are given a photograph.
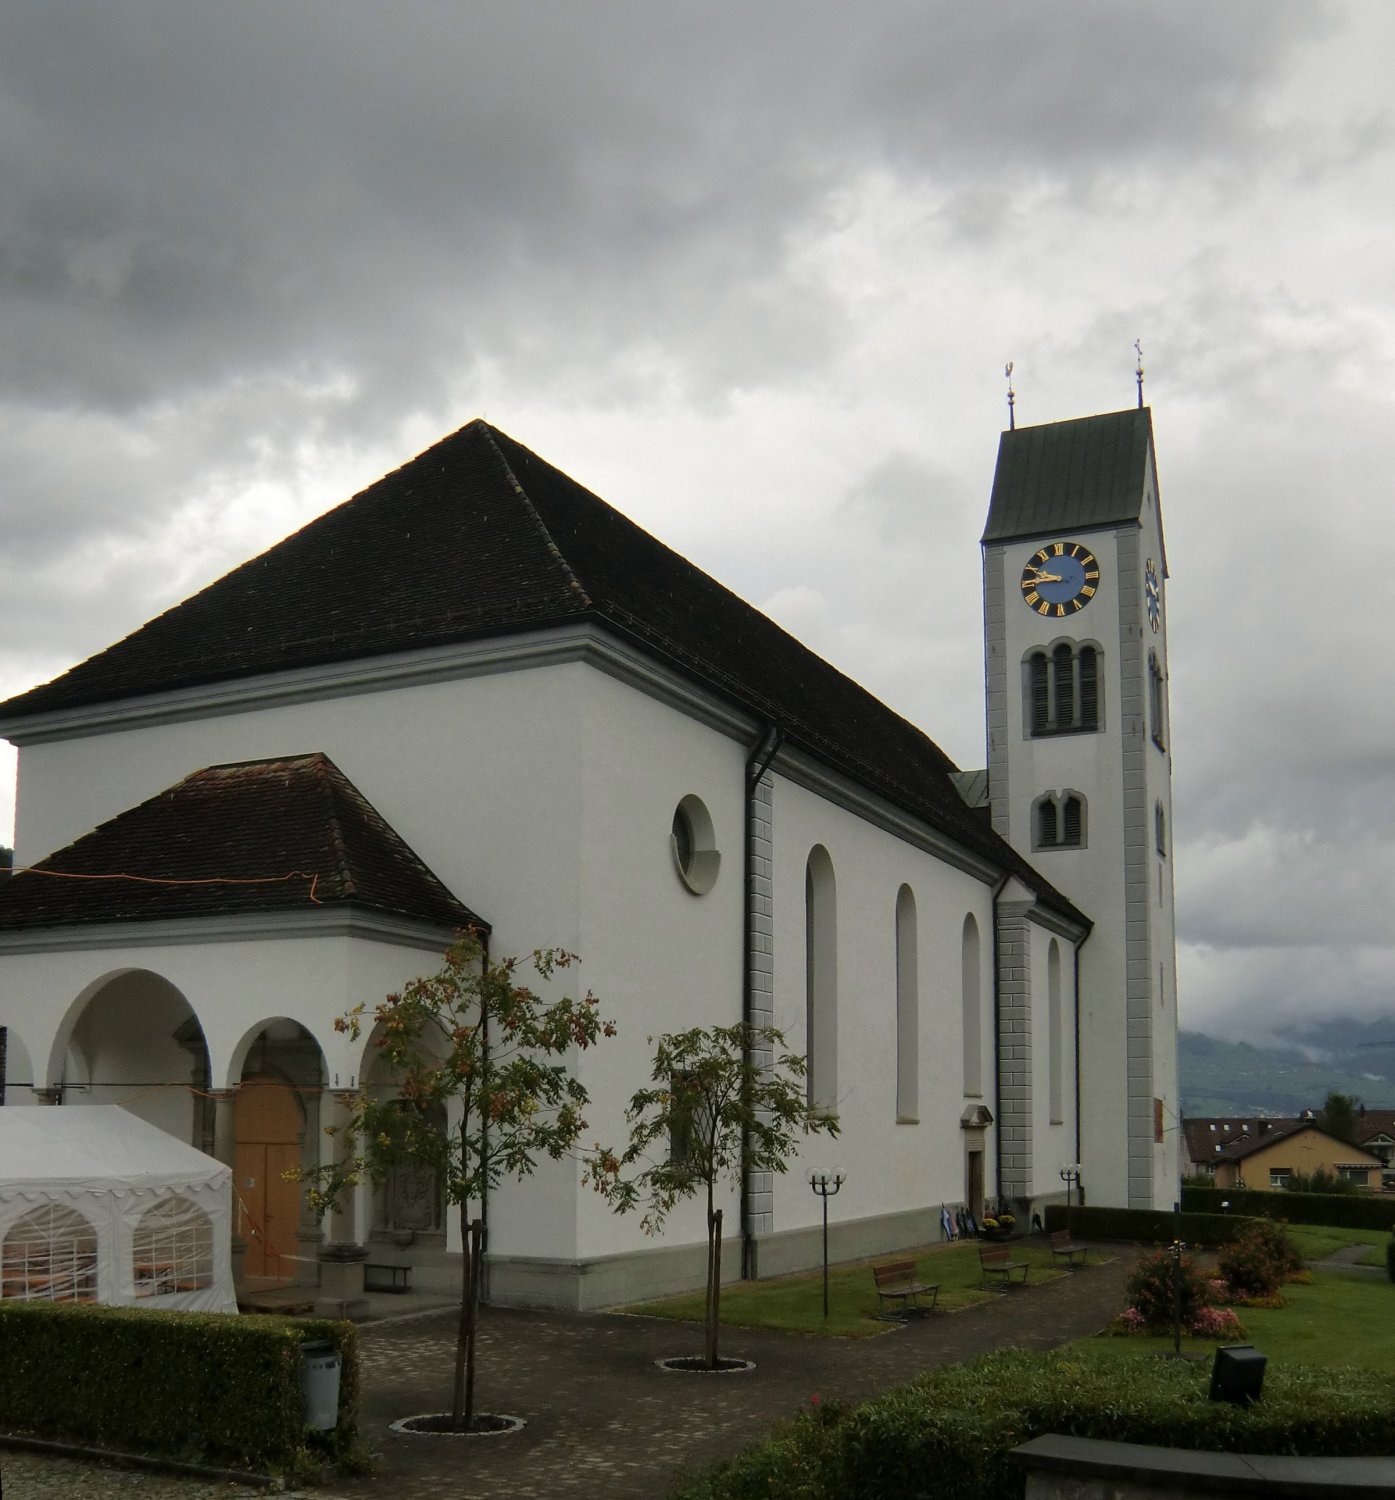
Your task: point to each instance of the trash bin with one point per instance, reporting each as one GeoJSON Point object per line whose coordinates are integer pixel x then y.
{"type": "Point", "coordinates": [319, 1385]}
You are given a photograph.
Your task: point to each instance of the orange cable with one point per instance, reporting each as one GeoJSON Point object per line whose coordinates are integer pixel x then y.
{"type": "Point", "coordinates": [311, 876]}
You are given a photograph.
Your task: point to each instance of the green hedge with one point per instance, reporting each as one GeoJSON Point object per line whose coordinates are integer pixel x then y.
{"type": "Point", "coordinates": [203, 1388]}
{"type": "Point", "coordinates": [1342, 1210]}
{"type": "Point", "coordinates": [1148, 1226]}
{"type": "Point", "coordinates": [947, 1435]}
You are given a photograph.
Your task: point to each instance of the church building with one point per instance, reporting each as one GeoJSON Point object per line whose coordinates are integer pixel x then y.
{"type": "Point", "coordinates": [475, 694]}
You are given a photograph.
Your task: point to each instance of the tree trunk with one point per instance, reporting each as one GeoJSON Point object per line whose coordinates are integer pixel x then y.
{"type": "Point", "coordinates": [465, 1332]}
{"type": "Point", "coordinates": [476, 1276]}
{"type": "Point", "coordinates": [714, 1286]}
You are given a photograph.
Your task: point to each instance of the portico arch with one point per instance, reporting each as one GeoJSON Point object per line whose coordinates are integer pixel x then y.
{"type": "Point", "coordinates": [131, 1037]}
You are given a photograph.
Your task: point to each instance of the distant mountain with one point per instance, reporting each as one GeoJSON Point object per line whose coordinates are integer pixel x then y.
{"type": "Point", "coordinates": [1234, 1078]}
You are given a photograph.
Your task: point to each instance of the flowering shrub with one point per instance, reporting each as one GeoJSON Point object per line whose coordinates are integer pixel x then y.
{"type": "Point", "coordinates": [1257, 1264]}
{"type": "Point", "coordinates": [1218, 1323]}
{"type": "Point", "coordinates": [1153, 1289]}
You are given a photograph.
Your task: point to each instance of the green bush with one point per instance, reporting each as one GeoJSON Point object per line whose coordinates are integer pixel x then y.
{"type": "Point", "coordinates": [1341, 1211]}
{"type": "Point", "coordinates": [1162, 1285]}
{"type": "Point", "coordinates": [947, 1436]}
{"type": "Point", "coordinates": [1146, 1226]}
{"type": "Point", "coordinates": [1260, 1261]}
{"type": "Point", "coordinates": [195, 1387]}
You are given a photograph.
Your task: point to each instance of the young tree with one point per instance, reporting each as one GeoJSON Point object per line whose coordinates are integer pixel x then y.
{"type": "Point", "coordinates": [1339, 1117]}
{"type": "Point", "coordinates": [474, 1040]}
{"type": "Point", "coordinates": [715, 1112]}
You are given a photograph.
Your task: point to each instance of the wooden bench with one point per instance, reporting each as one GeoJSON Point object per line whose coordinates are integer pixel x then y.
{"type": "Point", "coordinates": [997, 1261]}
{"type": "Point", "coordinates": [897, 1284]}
{"type": "Point", "coordinates": [1064, 1248]}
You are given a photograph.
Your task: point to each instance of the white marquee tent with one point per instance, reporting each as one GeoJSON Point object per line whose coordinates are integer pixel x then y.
{"type": "Point", "coordinates": [96, 1205]}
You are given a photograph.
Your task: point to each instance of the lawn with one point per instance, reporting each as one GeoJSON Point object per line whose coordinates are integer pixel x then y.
{"type": "Point", "coordinates": [1316, 1242]}
{"type": "Point", "coordinates": [795, 1303]}
{"type": "Point", "coordinates": [1338, 1320]}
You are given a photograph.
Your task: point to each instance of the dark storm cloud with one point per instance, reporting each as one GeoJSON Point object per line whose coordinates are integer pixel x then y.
{"type": "Point", "coordinates": [199, 193]}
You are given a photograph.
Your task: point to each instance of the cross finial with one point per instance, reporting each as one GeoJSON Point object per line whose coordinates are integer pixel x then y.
{"type": "Point", "coordinates": [1138, 372]}
{"type": "Point", "coordinates": [1012, 397]}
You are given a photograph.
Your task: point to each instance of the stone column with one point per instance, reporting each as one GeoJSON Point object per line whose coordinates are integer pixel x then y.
{"type": "Point", "coordinates": [49, 1096]}
{"type": "Point", "coordinates": [225, 1151]}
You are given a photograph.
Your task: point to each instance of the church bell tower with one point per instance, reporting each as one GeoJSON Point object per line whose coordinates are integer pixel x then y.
{"type": "Point", "coordinates": [1080, 762]}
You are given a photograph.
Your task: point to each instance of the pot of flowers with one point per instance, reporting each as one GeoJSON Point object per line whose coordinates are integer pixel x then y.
{"type": "Point", "coordinates": [998, 1226]}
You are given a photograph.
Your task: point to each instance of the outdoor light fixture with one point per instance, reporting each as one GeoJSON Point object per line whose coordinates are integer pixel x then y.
{"type": "Point", "coordinates": [826, 1185]}
{"type": "Point", "coordinates": [1070, 1175]}
{"type": "Point", "coordinates": [1238, 1374]}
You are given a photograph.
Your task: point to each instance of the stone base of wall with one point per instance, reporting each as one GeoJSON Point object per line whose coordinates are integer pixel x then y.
{"type": "Point", "coordinates": [1071, 1468]}
{"type": "Point", "coordinates": [641, 1275]}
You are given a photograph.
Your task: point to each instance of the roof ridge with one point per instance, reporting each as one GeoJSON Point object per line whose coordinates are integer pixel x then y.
{"type": "Point", "coordinates": [548, 539]}
{"type": "Point", "coordinates": [323, 769]}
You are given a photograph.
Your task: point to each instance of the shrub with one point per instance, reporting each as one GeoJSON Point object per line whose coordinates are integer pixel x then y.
{"type": "Point", "coordinates": [1164, 1284]}
{"type": "Point", "coordinates": [1341, 1211]}
{"type": "Point", "coordinates": [947, 1436]}
{"type": "Point", "coordinates": [1257, 1265]}
{"type": "Point", "coordinates": [1146, 1225]}
{"type": "Point", "coordinates": [1390, 1258]}
{"type": "Point", "coordinates": [1320, 1182]}
{"type": "Point", "coordinates": [196, 1387]}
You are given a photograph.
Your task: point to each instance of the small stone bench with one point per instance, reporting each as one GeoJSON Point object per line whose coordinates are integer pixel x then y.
{"type": "Point", "coordinates": [386, 1276]}
{"type": "Point", "coordinates": [1064, 1248]}
{"type": "Point", "coordinates": [996, 1261]}
{"type": "Point", "coordinates": [896, 1283]}
{"type": "Point", "coordinates": [1092, 1468]}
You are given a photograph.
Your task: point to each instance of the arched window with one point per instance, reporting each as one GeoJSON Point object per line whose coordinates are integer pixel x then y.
{"type": "Point", "coordinates": [50, 1255]}
{"type": "Point", "coordinates": [821, 978]}
{"type": "Point", "coordinates": [1058, 821]}
{"type": "Point", "coordinates": [971, 1010]}
{"type": "Point", "coordinates": [1055, 1033]}
{"type": "Point", "coordinates": [907, 1008]}
{"type": "Point", "coordinates": [1063, 689]}
{"type": "Point", "coordinates": [172, 1250]}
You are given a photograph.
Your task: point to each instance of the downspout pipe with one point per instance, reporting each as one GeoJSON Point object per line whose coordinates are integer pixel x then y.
{"type": "Point", "coordinates": [762, 753]}
{"type": "Point", "coordinates": [997, 1049]}
{"type": "Point", "coordinates": [1078, 1142]}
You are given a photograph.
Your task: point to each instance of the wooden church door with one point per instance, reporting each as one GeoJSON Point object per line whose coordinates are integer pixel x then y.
{"type": "Point", "coordinates": [269, 1124]}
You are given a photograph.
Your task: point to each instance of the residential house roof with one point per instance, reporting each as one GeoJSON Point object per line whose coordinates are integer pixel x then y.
{"type": "Point", "coordinates": [1246, 1146]}
{"type": "Point", "coordinates": [262, 836]}
{"type": "Point", "coordinates": [480, 537]}
{"type": "Point", "coordinates": [1207, 1136]}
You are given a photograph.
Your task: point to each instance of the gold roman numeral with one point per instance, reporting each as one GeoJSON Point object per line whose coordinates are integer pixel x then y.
{"type": "Point", "coordinates": [1032, 597]}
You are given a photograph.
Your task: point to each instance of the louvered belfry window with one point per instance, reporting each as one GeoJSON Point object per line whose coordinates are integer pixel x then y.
{"type": "Point", "coordinates": [1046, 823]}
{"type": "Point", "coordinates": [1063, 693]}
{"type": "Point", "coordinates": [1058, 821]}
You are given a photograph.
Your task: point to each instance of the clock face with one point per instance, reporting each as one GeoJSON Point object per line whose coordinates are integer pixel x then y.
{"type": "Point", "coordinates": [1060, 579]}
{"type": "Point", "coordinates": [1152, 593]}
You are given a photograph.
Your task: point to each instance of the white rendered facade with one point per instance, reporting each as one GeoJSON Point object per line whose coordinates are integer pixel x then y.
{"type": "Point", "coordinates": [537, 775]}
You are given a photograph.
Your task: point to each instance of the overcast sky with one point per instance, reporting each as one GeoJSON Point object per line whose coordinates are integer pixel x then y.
{"type": "Point", "coordinates": [751, 271]}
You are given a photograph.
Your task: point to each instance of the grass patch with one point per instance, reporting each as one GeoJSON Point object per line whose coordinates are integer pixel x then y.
{"type": "Point", "coordinates": [795, 1303]}
{"type": "Point", "coordinates": [1338, 1323]}
{"type": "Point", "coordinates": [1317, 1242]}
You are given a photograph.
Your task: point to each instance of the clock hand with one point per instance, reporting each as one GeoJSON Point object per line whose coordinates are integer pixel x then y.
{"type": "Point", "coordinates": [1047, 577]}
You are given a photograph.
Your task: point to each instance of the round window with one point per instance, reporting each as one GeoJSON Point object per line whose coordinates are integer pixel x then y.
{"type": "Point", "coordinates": [695, 854]}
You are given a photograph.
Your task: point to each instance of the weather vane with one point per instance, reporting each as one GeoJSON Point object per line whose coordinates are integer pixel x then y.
{"type": "Point", "coordinates": [1012, 397]}
{"type": "Point", "coordinates": [1138, 373]}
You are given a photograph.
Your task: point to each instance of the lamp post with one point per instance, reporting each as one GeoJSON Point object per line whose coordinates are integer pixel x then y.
{"type": "Point", "coordinates": [1070, 1175]}
{"type": "Point", "coordinates": [826, 1185]}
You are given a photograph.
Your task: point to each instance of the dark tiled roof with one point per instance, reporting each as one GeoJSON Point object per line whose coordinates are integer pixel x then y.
{"type": "Point", "coordinates": [1070, 476]}
{"type": "Point", "coordinates": [478, 536]}
{"type": "Point", "coordinates": [265, 836]}
{"type": "Point", "coordinates": [1247, 1146]}
{"type": "Point", "coordinates": [1205, 1134]}
{"type": "Point", "coordinates": [1374, 1122]}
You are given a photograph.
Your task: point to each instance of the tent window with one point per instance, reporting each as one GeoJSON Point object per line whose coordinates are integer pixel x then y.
{"type": "Point", "coordinates": [173, 1249]}
{"type": "Point", "coordinates": [50, 1255]}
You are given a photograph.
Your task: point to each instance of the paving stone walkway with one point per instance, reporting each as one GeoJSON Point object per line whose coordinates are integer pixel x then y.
{"type": "Point", "coordinates": [603, 1420]}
